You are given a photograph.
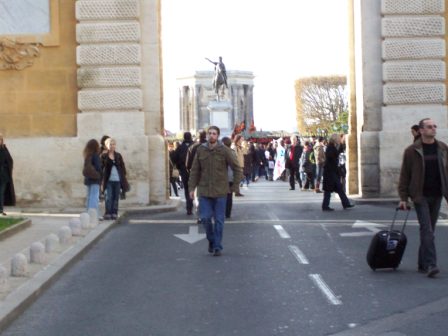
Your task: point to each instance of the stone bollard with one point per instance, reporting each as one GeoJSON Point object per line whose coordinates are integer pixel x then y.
{"type": "Point", "coordinates": [51, 243]}
{"type": "Point", "coordinates": [93, 214]}
{"type": "Point", "coordinates": [19, 265]}
{"type": "Point", "coordinates": [37, 253]}
{"type": "Point", "coordinates": [64, 234]}
{"type": "Point", "coordinates": [85, 220]}
{"type": "Point", "coordinates": [75, 226]}
{"type": "Point", "coordinates": [3, 279]}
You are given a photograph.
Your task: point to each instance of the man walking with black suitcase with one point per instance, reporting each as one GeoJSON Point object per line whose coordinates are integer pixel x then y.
{"type": "Point", "coordinates": [423, 178]}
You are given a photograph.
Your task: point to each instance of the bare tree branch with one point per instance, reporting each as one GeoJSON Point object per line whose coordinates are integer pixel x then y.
{"type": "Point", "coordinates": [320, 100]}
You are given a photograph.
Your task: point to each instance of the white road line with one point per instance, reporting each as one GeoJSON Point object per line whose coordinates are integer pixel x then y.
{"type": "Point", "coordinates": [300, 256]}
{"type": "Point", "coordinates": [319, 282]}
{"type": "Point", "coordinates": [281, 231]}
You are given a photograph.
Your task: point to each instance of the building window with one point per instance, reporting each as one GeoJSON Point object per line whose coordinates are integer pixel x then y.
{"type": "Point", "coordinates": [30, 21]}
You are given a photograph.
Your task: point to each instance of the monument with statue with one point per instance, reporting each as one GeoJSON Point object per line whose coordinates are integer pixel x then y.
{"type": "Point", "coordinates": [222, 98]}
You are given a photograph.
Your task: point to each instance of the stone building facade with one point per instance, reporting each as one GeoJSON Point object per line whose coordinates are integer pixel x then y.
{"type": "Point", "coordinates": [99, 74]}
{"type": "Point", "coordinates": [198, 104]}
{"type": "Point", "coordinates": [397, 77]}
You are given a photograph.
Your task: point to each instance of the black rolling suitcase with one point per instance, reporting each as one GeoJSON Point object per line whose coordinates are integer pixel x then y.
{"type": "Point", "coordinates": [387, 246]}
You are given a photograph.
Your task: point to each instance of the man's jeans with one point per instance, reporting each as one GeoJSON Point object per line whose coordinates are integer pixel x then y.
{"type": "Point", "coordinates": [427, 213]}
{"type": "Point", "coordinates": [213, 207]}
{"type": "Point", "coordinates": [93, 197]}
{"type": "Point", "coordinates": [112, 197]}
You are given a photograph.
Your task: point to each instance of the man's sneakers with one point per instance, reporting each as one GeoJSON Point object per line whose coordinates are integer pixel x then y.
{"type": "Point", "coordinates": [216, 252]}
{"type": "Point", "coordinates": [327, 209]}
{"type": "Point", "coordinates": [238, 194]}
{"type": "Point", "coordinates": [432, 271]}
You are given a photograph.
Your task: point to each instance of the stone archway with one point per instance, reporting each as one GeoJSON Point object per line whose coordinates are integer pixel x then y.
{"type": "Point", "coordinates": [398, 76]}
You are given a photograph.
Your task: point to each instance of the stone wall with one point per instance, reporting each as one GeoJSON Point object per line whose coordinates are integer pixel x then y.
{"type": "Point", "coordinates": [116, 90]}
{"type": "Point", "coordinates": [40, 100]}
{"type": "Point", "coordinates": [414, 77]}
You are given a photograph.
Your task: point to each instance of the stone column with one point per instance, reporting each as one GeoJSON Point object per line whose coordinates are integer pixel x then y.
{"type": "Point", "coordinates": [191, 113]}
{"type": "Point", "coordinates": [110, 97]}
{"type": "Point", "coordinates": [414, 76]}
{"type": "Point", "coordinates": [197, 107]}
{"type": "Point", "coordinates": [369, 91]}
{"type": "Point", "coordinates": [153, 99]}
{"type": "Point", "coordinates": [352, 138]}
{"type": "Point", "coordinates": [181, 108]}
{"type": "Point", "coordinates": [250, 102]}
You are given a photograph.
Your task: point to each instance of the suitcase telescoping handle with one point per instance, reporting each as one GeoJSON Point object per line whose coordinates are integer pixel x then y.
{"type": "Point", "coordinates": [408, 210]}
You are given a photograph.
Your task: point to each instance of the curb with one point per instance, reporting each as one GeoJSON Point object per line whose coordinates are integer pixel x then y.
{"type": "Point", "coordinates": [21, 298]}
{"type": "Point", "coordinates": [22, 225]}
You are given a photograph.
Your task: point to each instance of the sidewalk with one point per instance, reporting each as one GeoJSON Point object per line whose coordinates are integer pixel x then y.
{"type": "Point", "coordinates": [17, 293]}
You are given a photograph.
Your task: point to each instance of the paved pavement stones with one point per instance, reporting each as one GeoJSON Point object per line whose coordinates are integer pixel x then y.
{"type": "Point", "coordinates": [36, 271]}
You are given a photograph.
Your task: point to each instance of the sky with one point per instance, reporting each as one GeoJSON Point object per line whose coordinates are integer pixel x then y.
{"type": "Point", "coordinates": [280, 41]}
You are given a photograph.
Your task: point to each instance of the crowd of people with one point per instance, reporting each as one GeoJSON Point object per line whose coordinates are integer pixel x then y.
{"type": "Point", "coordinates": [211, 171]}
{"type": "Point", "coordinates": [217, 169]}
{"type": "Point", "coordinates": [284, 159]}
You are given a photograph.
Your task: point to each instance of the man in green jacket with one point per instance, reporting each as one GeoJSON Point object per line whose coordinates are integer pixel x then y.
{"type": "Point", "coordinates": [423, 178]}
{"type": "Point", "coordinates": [210, 175]}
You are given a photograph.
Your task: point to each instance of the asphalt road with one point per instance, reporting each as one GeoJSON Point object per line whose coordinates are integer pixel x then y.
{"type": "Point", "coordinates": [287, 269]}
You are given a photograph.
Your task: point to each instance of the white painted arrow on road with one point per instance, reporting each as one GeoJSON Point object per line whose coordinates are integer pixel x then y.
{"type": "Point", "coordinates": [372, 227]}
{"type": "Point", "coordinates": [193, 235]}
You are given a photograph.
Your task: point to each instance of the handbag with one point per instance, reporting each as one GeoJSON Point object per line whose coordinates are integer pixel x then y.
{"type": "Point", "coordinates": [175, 174]}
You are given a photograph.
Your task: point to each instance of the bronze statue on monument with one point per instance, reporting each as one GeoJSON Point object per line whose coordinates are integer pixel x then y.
{"type": "Point", "coordinates": [219, 78]}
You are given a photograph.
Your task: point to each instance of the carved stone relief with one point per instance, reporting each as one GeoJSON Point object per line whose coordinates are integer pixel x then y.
{"type": "Point", "coordinates": [17, 56]}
